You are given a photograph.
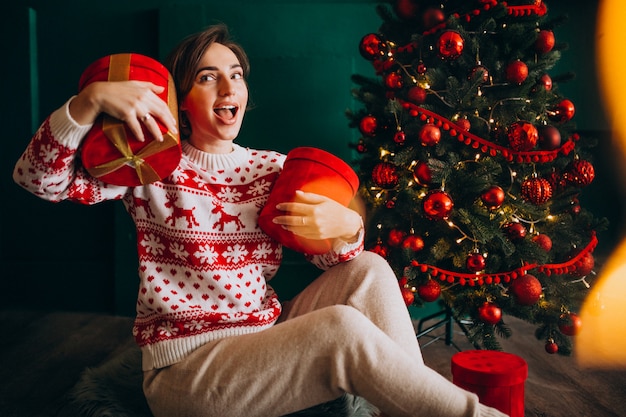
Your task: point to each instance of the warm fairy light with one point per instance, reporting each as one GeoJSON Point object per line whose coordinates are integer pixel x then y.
{"type": "Point", "coordinates": [601, 342]}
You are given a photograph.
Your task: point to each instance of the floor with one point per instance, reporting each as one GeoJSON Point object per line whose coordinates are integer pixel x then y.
{"type": "Point", "coordinates": [44, 353]}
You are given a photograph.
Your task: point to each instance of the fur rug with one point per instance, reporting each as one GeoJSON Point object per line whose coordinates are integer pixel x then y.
{"type": "Point", "coordinates": [114, 390]}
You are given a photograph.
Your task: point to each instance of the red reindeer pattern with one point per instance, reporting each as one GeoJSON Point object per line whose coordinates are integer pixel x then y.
{"type": "Point", "coordinates": [224, 217]}
{"type": "Point", "coordinates": [145, 204]}
{"type": "Point", "coordinates": [179, 212]}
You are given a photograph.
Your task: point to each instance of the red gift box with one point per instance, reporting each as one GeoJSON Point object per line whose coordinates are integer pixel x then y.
{"type": "Point", "coordinates": [109, 151]}
{"type": "Point", "coordinates": [496, 377]}
{"type": "Point", "coordinates": [311, 170]}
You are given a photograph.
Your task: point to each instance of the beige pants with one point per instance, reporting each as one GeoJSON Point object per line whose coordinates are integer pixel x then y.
{"type": "Point", "coordinates": [349, 331]}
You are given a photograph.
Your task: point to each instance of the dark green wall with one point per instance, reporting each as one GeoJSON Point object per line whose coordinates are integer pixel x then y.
{"type": "Point", "coordinates": [65, 256]}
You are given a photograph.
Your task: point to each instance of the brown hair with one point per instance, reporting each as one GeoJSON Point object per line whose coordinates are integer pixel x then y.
{"type": "Point", "coordinates": [184, 58]}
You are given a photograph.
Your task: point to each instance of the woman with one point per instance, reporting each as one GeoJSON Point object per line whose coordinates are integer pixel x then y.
{"type": "Point", "coordinates": [215, 338]}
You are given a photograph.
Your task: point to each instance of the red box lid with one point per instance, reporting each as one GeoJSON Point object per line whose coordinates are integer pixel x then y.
{"type": "Point", "coordinates": [489, 367]}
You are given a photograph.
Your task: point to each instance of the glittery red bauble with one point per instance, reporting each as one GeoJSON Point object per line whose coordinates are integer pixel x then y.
{"type": "Point", "coordinates": [475, 262]}
{"type": "Point", "coordinates": [585, 265]}
{"type": "Point", "coordinates": [368, 125]}
{"type": "Point", "coordinates": [394, 81]}
{"type": "Point", "coordinates": [551, 347]}
{"type": "Point", "coordinates": [372, 46]}
{"type": "Point", "coordinates": [437, 205]}
{"type": "Point", "coordinates": [515, 231]}
{"type": "Point", "coordinates": [536, 190]}
{"type": "Point", "coordinates": [450, 44]}
{"type": "Point", "coordinates": [546, 82]}
{"type": "Point", "coordinates": [422, 174]}
{"type": "Point", "coordinates": [429, 135]}
{"type": "Point", "coordinates": [549, 137]}
{"type": "Point", "coordinates": [395, 237]}
{"type": "Point", "coordinates": [523, 136]}
{"type": "Point", "coordinates": [385, 175]}
{"type": "Point", "coordinates": [408, 296]}
{"type": "Point", "coordinates": [414, 243]}
{"type": "Point", "coordinates": [545, 41]}
{"type": "Point", "coordinates": [543, 241]}
{"type": "Point", "coordinates": [526, 290]}
{"type": "Point", "coordinates": [489, 313]}
{"type": "Point", "coordinates": [417, 95]}
{"type": "Point", "coordinates": [399, 137]}
{"type": "Point", "coordinates": [464, 124]}
{"type": "Point", "coordinates": [579, 173]}
{"type": "Point", "coordinates": [429, 291]}
{"type": "Point", "coordinates": [493, 197]}
{"type": "Point", "coordinates": [570, 324]}
{"type": "Point", "coordinates": [432, 17]}
{"type": "Point", "coordinates": [563, 111]}
{"type": "Point", "coordinates": [516, 72]}
{"type": "Point", "coordinates": [479, 69]}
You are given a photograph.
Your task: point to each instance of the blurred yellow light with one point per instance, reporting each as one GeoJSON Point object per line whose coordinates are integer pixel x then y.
{"type": "Point", "coordinates": [602, 342]}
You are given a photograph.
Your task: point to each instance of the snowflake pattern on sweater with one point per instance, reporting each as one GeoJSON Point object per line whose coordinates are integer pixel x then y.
{"type": "Point", "coordinates": [204, 263]}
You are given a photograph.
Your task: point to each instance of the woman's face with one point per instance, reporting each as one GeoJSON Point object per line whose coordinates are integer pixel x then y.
{"type": "Point", "coordinates": [216, 103]}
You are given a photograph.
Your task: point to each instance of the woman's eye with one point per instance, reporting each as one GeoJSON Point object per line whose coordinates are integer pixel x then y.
{"type": "Point", "coordinates": [237, 76]}
{"type": "Point", "coordinates": [207, 77]}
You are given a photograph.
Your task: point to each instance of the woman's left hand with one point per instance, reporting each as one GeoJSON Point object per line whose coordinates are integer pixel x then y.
{"type": "Point", "coordinates": [317, 217]}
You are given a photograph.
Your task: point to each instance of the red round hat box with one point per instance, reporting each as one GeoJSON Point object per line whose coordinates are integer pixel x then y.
{"type": "Point", "coordinates": [496, 377]}
{"type": "Point", "coordinates": [109, 150]}
{"type": "Point", "coordinates": [311, 170]}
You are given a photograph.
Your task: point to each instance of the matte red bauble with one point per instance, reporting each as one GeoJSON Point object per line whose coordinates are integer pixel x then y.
{"type": "Point", "coordinates": [475, 262]}
{"type": "Point", "coordinates": [429, 291]}
{"type": "Point", "coordinates": [429, 135]}
{"type": "Point", "coordinates": [417, 95]}
{"type": "Point", "coordinates": [493, 197]}
{"type": "Point", "coordinates": [432, 17]}
{"type": "Point", "coordinates": [579, 173]}
{"type": "Point", "coordinates": [408, 296]}
{"type": "Point", "coordinates": [526, 290]}
{"type": "Point", "coordinates": [543, 241]}
{"type": "Point", "coordinates": [372, 46]}
{"type": "Point", "coordinates": [414, 243]}
{"type": "Point", "coordinates": [551, 347]}
{"type": "Point", "coordinates": [536, 190]}
{"type": "Point", "coordinates": [368, 125]}
{"type": "Point", "coordinates": [570, 324]}
{"type": "Point", "coordinates": [563, 111]}
{"type": "Point", "coordinates": [450, 44]}
{"type": "Point", "coordinates": [545, 41]}
{"type": "Point", "coordinates": [549, 137]}
{"type": "Point", "coordinates": [437, 205]}
{"type": "Point", "coordinates": [516, 72]}
{"type": "Point", "coordinates": [395, 237]}
{"type": "Point", "coordinates": [546, 82]}
{"type": "Point", "coordinates": [523, 136]}
{"type": "Point", "coordinates": [422, 174]}
{"type": "Point", "coordinates": [489, 313]}
{"type": "Point", "coordinates": [515, 231]}
{"type": "Point", "coordinates": [394, 81]}
{"type": "Point", "coordinates": [385, 175]}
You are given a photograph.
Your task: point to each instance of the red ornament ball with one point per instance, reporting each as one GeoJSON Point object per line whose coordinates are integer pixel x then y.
{"type": "Point", "coordinates": [421, 68]}
{"type": "Point", "coordinates": [536, 190]}
{"type": "Point", "coordinates": [394, 81]}
{"type": "Point", "coordinates": [417, 95]}
{"type": "Point", "coordinates": [372, 46]}
{"type": "Point", "coordinates": [549, 137]}
{"type": "Point", "coordinates": [422, 174]}
{"type": "Point", "coordinates": [489, 313]}
{"type": "Point", "coordinates": [579, 173]}
{"type": "Point", "coordinates": [570, 324]}
{"type": "Point", "coordinates": [545, 41]}
{"type": "Point", "coordinates": [429, 291]}
{"type": "Point", "coordinates": [432, 17]}
{"type": "Point", "coordinates": [464, 124]}
{"type": "Point", "coordinates": [526, 290]}
{"type": "Point", "coordinates": [516, 72]}
{"type": "Point", "coordinates": [493, 197]}
{"type": "Point", "coordinates": [414, 243]}
{"type": "Point", "coordinates": [563, 111]}
{"type": "Point", "coordinates": [395, 237]}
{"type": "Point", "coordinates": [437, 205]}
{"type": "Point", "coordinates": [475, 262]}
{"type": "Point", "coordinates": [523, 136]}
{"type": "Point", "coordinates": [380, 249]}
{"type": "Point", "coordinates": [408, 296]}
{"type": "Point", "coordinates": [406, 9]}
{"type": "Point", "coordinates": [451, 44]}
{"type": "Point", "coordinates": [585, 265]}
{"type": "Point", "coordinates": [546, 82]}
{"type": "Point", "coordinates": [429, 135]}
{"type": "Point", "coordinates": [543, 241]}
{"type": "Point", "coordinates": [551, 347]}
{"type": "Point", "coordinates": [385, 175]}
{"type": "Point", "coordinates": [479, 71]}
{"type": "Point", "coordinates": [399, 137]}
{"type": "Point", "coordinates": [368, 125]}
{"type": "Point", "coordinates": [515, 231]}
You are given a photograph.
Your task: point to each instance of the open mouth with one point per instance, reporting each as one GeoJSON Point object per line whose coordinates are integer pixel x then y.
{"type": "Point", "coordinates": [226, 112]}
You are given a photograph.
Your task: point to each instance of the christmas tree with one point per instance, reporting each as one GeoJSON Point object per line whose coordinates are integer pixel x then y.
{"type": "Point", "coordinates": [472, 168]}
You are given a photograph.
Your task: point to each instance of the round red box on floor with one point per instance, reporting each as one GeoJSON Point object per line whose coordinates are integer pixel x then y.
{"type": "Point", "coordinates": [496, 377]}
{"type": "Point", "coordinates": [311, 170]}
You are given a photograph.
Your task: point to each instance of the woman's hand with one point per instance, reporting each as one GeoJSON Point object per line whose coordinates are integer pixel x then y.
{"type": "Point", "coordinates": [317, 217]}
{"type": "Point", "coordinates": [134, 102]}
